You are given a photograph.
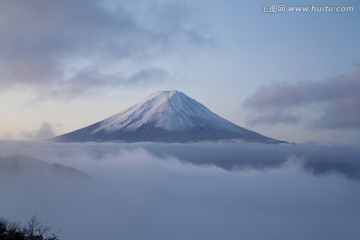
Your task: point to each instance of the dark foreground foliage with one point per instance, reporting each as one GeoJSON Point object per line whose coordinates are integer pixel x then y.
{"type": "Point", "coordinates": [34, 230]}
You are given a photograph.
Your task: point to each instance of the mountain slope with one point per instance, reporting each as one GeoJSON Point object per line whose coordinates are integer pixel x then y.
{"type": "Point", "coordinates": [168, 116]}
{"type": "Point", "coordinates": [16, 167]}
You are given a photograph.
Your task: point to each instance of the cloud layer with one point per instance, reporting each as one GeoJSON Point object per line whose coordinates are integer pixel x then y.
{"type": "Point", "coordinates": [337, 99]}
{"type": "Point", "coordinates": [142, 195]}
{"type": "Point", "coordinates": [67, 47]}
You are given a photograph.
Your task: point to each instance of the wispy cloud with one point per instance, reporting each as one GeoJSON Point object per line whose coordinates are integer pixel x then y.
{"type": "Point", "coordinates": [50, 46]}
{"type": "Point", "coordinates": [337, 98]}
{"type": "Point", "coordinates": [45, 131]}
{"type": "Point", "coordinates": [275, 117]}
{"type": "Point", "coordinates": [88, 80]}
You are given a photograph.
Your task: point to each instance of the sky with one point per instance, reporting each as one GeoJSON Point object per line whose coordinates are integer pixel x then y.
{"type": "Point", "coordinates": [291, 76]}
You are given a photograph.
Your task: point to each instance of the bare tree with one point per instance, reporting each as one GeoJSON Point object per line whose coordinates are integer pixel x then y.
{"type": "Point", "coordinates": [34, 230]}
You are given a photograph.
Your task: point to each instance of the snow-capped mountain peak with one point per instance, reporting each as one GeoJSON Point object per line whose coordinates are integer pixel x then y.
{"type": "Point", "coordinates": [169, 110]}
{"type": "Point", "coordinates": [168, 116]}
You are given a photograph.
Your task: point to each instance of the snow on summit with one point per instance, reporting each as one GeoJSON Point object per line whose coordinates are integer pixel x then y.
{"type": "Point", "coordinates": [169, 110]}
{"type": "Point", "coordinates": [165, 116]}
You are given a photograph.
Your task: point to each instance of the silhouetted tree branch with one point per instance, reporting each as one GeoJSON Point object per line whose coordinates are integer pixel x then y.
{"type": "Point", "coordinates": [34, 230]}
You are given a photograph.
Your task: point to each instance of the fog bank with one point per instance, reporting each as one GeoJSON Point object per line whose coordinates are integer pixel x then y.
{"type": "Point", "coordinates": [189, 191]}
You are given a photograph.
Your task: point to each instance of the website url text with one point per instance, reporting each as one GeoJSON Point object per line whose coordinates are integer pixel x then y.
{"type": "Point", "coordinates": [279, 8]}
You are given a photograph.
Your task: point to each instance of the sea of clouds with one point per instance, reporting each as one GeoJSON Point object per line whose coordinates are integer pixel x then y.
{"type": "Point", "coordinates": [188, 191]}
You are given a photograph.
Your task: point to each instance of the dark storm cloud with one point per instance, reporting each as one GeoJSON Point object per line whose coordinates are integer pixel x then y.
{"type": "Point", "coordinates": [48, 45]}
{"type": "Point", "coordinates": [152, 191]}
{"type": "Point", "coordinates": [338, 98]}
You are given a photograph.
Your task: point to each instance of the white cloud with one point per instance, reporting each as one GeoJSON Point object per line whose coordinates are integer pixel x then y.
{"type": "Point", "coordinates": [45, 131]}
{"type": "Point", "coordinates": [153, 191]}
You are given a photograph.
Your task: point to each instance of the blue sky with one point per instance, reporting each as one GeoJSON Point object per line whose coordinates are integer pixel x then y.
{"type": "Point", "coordinates": [291, 76]}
